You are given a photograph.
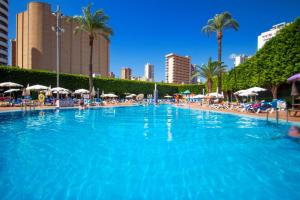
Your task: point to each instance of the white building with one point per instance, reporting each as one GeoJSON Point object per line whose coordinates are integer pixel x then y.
{"type": "Point", "coordinates": [240, 59]}
{"type": "Point", "coordinates": [149, 72]}
{"type": "Point", "coordinates": [266, 36]}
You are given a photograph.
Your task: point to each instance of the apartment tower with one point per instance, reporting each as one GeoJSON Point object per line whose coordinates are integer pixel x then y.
{"type": "Point", "coordinates": [178, 69]}
{"type": "Point", "coordinates": [126, 73]}
{"type": "Point", "coordinates": [266, 36]}
{"type": "Point", "coordinates": [36, 44]}
{"type": "Point", "coordinates": [3, 32]}
{"type": "Point", "coordinates": [149, 72]}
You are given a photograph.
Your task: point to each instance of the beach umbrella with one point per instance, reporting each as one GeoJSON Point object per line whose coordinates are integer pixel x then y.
{"type": "Point", "coordinates": [140, 97]}
{"type": "Point", "coordinates": [59, 89]}
{"type": "Point", "coordinates": [215, 95]}
{"type": "Point", "coordinates": [10, 84]}
{"type": "Point", "coordinates": [60, 92]}
{"type": "Point", "coordinates": [112, 95]}
{"type": "Point", "coordinates": [199, 96]}
{"type": "Point", "coordinates": [93, 93]}
{"type": "Point", "coordinates": [293, 78]}
{"type": "Point", "coordinates": [187, 92]}
{"type": "Point", "coordinates": [295, 91]}
{"type": "Point", "coordinates": [248, 94]}
{"type": "Point", "coordinates": [130, 96]}
{"type": "Point", "coordinates": [256, 89]}
{"type": "Point", "coordinates": [239, 92]}
{"type": "Point", "coordinates": [81, 91]}
{"type": "Point", "coordinates": [25, 91]}
{"type": "Point", "coordinates": [37, 87]}
{"type": "Point", "coordinates": [168, 96]}
{"type": "Point", "coordinates": [12, 90]}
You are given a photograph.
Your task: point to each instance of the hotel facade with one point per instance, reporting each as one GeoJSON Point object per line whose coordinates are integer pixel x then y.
{"type": "Point", "coordinates": [178, 69]}
{"type": "Point", "coordinates": [36, 44]}
{"type": "Point", "coordinates": [126, 73]}
{"type": "Point", "coordinates": [266, 36]}
{"type": "Point", "coordinates": [149, 72]}
{"type": "Point", "coordinates": [3, 32]}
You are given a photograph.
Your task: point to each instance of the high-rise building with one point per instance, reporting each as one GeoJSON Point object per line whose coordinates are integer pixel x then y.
{"type": "Point", "coordinates": [111, 75]}
{"type": "Point", "coordinates": [240, 59]}
{"type": "Point", "coordinates": [13, 52]}
{"type": "Point", "coordinates": [194, 80]}
{"type": "Point", "coordinates": [266, 36]}
{"type": "Point", "coordinates": [126, 73]}
{"type": "Point", "coordinates": [178, 69]}
{"type": "Point", "coordinates": [149, 72]}
{"type": "Point", "coordinates": [3, 32]}
{"type": "Point", "coordinates": [36, 43]}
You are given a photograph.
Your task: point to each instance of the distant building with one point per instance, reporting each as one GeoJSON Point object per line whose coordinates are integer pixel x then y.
{"type": "Point", "coordinates": [240, 59]}
{"type": "Point", "coordinates": [194, 80]}
{"type": "Point", "coordinates": [149, 72]}
{"type": "Point", "coordinates": [178, 69]}
{"type": "Point", "coordinates": [3, 32]}
{"type": "Point", "coordinates": [13, 52]}
{"type": "Point", "coordinates": [138, 78]}
{"type": "Point", "coordinates": [266, 36]}
{"type": "Point", "coordinates": [36, 43]}
{"type": "Point", "coordinates": [111, 75]}
{"type": "Point", "coordinates": [126, 73]}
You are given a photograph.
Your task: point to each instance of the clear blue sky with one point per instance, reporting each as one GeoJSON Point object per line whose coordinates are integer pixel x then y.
{"type": "Point", "coordinates": [146, 30]}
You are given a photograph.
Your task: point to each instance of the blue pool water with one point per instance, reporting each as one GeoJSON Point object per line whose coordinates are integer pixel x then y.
{"type": "Point", "coordinates": [145, 153]}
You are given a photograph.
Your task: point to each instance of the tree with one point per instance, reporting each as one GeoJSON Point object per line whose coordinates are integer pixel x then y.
{"type": "Point", "coordinates": [272, 65]}
{"type": "Point", "coordinates": [94, 24]}
{"type": "Point", "coordinates": [218, 24]}
{"type": "Point", "coordinates": [208, 72]}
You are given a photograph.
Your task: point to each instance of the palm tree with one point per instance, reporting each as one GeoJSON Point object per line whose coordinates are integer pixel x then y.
{"type": "Point", "coordinates": [94, 24]}
{"type": "Point", "coordinates": [208, 72]}
{"type": "Point", "coordinates": [218, 24]}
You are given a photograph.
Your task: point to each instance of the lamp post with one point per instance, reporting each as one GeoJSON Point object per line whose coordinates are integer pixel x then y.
{"type": "Point", "coordinates": [58, 30]}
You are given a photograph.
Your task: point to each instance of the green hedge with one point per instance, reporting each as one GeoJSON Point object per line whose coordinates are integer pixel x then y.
{"type": "Point", "coordinates": [73, 82]}
{"type": "Point", "coordinates": [271, 66]}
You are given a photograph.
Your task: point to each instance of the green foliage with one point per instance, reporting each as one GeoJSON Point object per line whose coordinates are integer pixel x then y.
{"type": "Point", "coordinates": [220, 22]}
{"type": "Point", "coordinates": [272, 65]}
{"type": "Point", "coordinates": [73, 82]}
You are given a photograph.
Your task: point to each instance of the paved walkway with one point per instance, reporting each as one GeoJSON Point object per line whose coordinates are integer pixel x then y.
{"type": "Point", "coordinates": [281, 114]}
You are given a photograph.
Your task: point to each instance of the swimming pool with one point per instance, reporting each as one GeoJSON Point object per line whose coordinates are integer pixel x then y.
{"type": "Point", "coordinates": [141, 152]}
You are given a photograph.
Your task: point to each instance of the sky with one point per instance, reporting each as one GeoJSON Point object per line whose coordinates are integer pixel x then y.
{"type": "Point", "coordinates": [147, 30]}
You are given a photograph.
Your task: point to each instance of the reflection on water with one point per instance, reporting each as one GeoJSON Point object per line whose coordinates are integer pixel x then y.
{"type": "Point", "coordinates": [149, 152]}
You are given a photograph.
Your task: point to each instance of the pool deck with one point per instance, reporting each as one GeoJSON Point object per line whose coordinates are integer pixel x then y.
{"type": "Point", "coordinates": [12, 109]}
{"type": "Point", "coordinates": [281, 114]}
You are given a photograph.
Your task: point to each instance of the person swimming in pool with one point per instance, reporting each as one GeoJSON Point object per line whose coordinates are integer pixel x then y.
{"type": "Point", "coordinates": [294, 132]}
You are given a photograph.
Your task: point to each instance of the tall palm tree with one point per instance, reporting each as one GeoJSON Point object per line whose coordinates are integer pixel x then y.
{"type": "Point", "coordinates": [208, 72]}
{"type": "Point", "coordinates": [94, 24]}
{"type": "Point", "coordinates": [218, 24]}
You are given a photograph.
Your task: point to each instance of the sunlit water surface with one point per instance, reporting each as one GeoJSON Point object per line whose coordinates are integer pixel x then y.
{"type": "Point", "coordinates": [141, 152]}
